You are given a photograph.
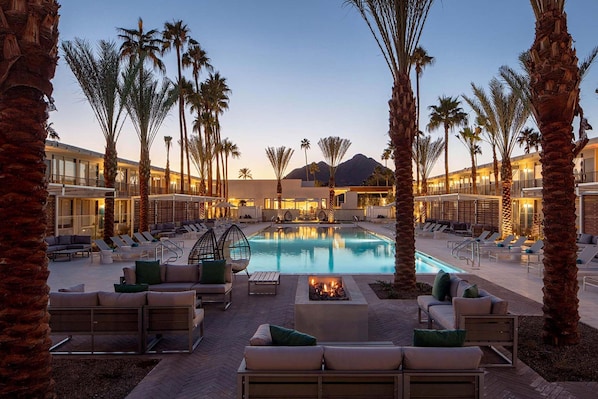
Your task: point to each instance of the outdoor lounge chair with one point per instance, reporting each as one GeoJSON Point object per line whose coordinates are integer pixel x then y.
{"type": "Point", "coordinates": [503, 243]}
{"type": "Point", "coordinates": [512, 248]}
{"type": "Point", "coordinates": [127, 251]}
{"type": "Point", "coordinates": [479, 238]}
{"type": "Point", "coordinates": [585, 266]}
{"type": "Point", "coordinates": [142, 240]}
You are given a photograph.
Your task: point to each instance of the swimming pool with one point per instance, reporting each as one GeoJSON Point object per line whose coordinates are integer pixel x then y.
{"type": "Point", "coordinates": [307, 249]}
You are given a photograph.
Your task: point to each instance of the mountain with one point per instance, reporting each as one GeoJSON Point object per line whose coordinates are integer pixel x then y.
{"type": "Point", "coordinates": [349, 173]}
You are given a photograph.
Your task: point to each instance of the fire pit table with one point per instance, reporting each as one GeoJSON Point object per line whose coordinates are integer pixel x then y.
{"type": "Point", "coordinates": [332, 318]}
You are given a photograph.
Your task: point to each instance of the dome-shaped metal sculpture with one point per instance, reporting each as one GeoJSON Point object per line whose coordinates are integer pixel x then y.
{"type": "Point", "coordinates": [288, 216]}
{"type": "Point", "coordinates": [234, 247]}
{"type": "Point", "coordinates": [206, 248]}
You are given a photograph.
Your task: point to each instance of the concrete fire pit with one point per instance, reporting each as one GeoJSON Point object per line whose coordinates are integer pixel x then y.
{"type": "Point", "coordinates": [332, 320]}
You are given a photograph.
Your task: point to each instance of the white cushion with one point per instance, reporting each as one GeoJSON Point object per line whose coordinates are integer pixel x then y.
{"type": "Point", "coordinates": [362, 358]}
{"type": "Point", "coordinates": [283, 357]}
{"type": "Point", "coordinates": [261, 336]}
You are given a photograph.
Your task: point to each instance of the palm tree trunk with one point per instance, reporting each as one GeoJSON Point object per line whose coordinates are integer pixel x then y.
{"type": "Point", "coordinates": [473, 174]}
{"type": "Point", "coordinates": [495, 167]}
{"type": "Point", "coordinates": [446, 165]}
{"type": "Point", "coordinates": [144, 178]}
{"type": "Point", "coordinates": [25, 359]}
{"type": "Point", "coordinates": [507, 207]}
{"type": "Point", "coordinates": [187, 151]}
{"type": "Point", "coordinates": [417, 187]}
{"type": "Point", "coordinates": [402, 131]}
{"type": "Point", "coordinates": [110, 171]}
{"type": "Point", "coordinates": [555, 88]}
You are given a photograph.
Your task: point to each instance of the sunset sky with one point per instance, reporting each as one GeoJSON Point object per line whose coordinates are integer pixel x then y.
{"type": "Point", "coordinates": [311, 69]}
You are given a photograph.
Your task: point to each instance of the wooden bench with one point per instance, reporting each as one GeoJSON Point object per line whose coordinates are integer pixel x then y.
{"type": "Point", "coordinates": [260, 279]}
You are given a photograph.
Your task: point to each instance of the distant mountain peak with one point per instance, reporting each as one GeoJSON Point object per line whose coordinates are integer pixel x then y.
{"type": "Point", "coordinates": [352, 172]}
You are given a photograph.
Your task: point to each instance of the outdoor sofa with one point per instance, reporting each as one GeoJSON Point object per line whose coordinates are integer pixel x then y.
{"type": "Point", "coordinates": [210, 286]}
{"type": "Point", "coordinates": [76, 243]}
{"type": "Point", "coordinates": [359, 371]}
{"type": "Point", "coordinates": [457, 304]}
{"type": "Point", "coordinates": [162, 230]}
{"type": "Point", "coordinates": [137, 314]}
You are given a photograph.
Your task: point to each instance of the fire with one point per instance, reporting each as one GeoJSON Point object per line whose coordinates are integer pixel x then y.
{"type": "Point", "coordinates": [327, 289]}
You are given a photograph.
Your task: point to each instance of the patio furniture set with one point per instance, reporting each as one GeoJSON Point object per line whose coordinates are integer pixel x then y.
{"type": "Point", "coordinates": [358, 370]}
{"type": "Point", "coordinates": [68, 246]}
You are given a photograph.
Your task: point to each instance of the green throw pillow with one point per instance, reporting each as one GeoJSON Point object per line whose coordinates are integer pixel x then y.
{"type": "Point", "coordinates": [212, 271]}
{"type": "Point", "coordinates": [439, 338]}
{"type": "Point", "coordinates": [286, 337]}
{"type": "Point", "coordinates": [147, 272]}
{"type": "Point", "coordinates": [471, 292]}
{"type": "Point", "coordinates": [442, 284]}
{"type": "Point", "coordinates": [129, 288]}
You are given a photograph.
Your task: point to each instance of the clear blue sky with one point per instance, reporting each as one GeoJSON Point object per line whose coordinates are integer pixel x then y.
{"type": "Point", "coordinates": [311, 69]}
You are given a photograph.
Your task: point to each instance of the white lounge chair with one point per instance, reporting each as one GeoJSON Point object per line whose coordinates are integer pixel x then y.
{"type": "Point", "coordinates": [511, 248]}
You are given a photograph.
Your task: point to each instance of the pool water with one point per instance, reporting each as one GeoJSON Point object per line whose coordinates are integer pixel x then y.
{"type": "Point", "coordinates": [307, 249]}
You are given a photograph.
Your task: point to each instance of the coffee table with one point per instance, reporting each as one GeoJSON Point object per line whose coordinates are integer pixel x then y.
{"type": "Point", "coordinates": [69, 253]}
{"type": "Point", "coordinates": [263, 279]}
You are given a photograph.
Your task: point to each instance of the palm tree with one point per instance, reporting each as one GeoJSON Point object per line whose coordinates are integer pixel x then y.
{"type": "Point", "coordinates": [429, 152]}
{"type": "Point", "coordinates": [448, 114]}
{"type": "Point", "coordinates": [305, 145]}
{"type": "Point", "coordinates": [52, 133]}
{"type": "Point", "coordinates": [229, 149]}
{"type": "Point", "coordinates": [554, 95]}
{"type": "Point", "coordinates": [529, 138]}
{"type": "Point", "coordinates": [29, 58]}
{"type": "Point", "coordinates": [520, 84]}
{"type": "Point", "coordinates": [105, 90]}
{"type": "Point", "coordinates": [199, 157]}
{"type": "Point", "coordinates": [175, 35]}
{"type": "Point", "coordinates": [168, 142]}
{"type": "Point", "coordinates": [214, 101]}
{"type": "Point", "coordinates": [421, 60]}
{"type": "Point", "coordinates": [490, 135]}
{"type": "Point", "coordinates": [334, 149]}
{"type": "Point", "coordinates": [505, 114]}
{"type": "Point", "coordinates": [196, 58]}
{"type": "Point", "coordinates": [470, 138]}
{"type": "Point", "coordinates": [313, 169]}
{"type": "Point", "coordinates": [147, 117]}
{"type": "Point", "coordinates": [279, 159]}
{"type": "Point", "coordinates": [386, 154]}
{"type": "Point", "coordinates": [397, 27]}
{"type": "Point", "coordinates": [245, 174]}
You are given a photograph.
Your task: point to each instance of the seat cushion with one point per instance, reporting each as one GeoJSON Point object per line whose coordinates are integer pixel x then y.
{"type": "Point", "coordinates": [74, 288]}
{"type": "Point", "coordinates": [183, 298]}
{"type": "Point", "coordinates": [425, 301]}
{"type": "Point", "coordinates": [283, 357]}
{"type": "Point", "coordinates": [471, 307]}
{"type": "Point", "coordinates": [125, 300]}
{"type": "Point", "coordinates": [362, 358]}
{"type": "Point", "coordinates": [171, 287]}
{"type": "Point", "coordinates": [73, 299]}
{"type": "Point", "coordinates": [418, 358]}
{"type": "Point", "coordinates": [182, 273]}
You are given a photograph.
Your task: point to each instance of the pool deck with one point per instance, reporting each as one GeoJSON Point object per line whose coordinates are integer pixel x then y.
{"type": "Point", "coordinates": [210, 372]}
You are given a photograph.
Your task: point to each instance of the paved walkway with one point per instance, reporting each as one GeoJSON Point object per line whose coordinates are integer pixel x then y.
{"type": "Point", "coordinates": [210, 372]}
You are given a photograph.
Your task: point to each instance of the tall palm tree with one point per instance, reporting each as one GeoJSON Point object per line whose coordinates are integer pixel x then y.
{"type": "Point", "coordinates": [334, 149]}
{"type": "Point", "coordinates": [448, 114]}
{"type": "Point", "coordinates": [305, 145]}
{"type": "Point", "coordinates": [421, 60]}
{"type": "Point", "coordinates": [29, 57]}
{"type": "Point", "coordinates": [105, 88]}
{"type": "Point", "coordinates": [199, 157]}
{"type": "Point", "coordinates": [489, 134]}
{"type": "Point", "coordinates": [554, 94]}
{"type": "Point", "coordinates": [229, 149]}
{"type": "Point", "coordinates": [313, 169]}
{"type": "Point", "coordinates": [429, 152]}
{"type": "Point", "coordinates": [214, 98]}
{"type": "Point", "coordinates": [147, 117]}
{"type": "Point", "coordinates": [175, 35]}
{"type": "Point", "coordinates": [529, 138]}
{"type": "Point", "coordinates": [196, 58]}
{"type": "Point", "coordinates": [470, 138]}
{"type": "Point", "coordinates": [279, 159]}
{"type": "Point", "coordinates": [386, 154]}
{"type": "Point", "coordinates": [506, 114]}
{"type": "Point", "coordinates": [168, 143]}
{"type": "Point", "coordinates": [520, 84]}
{"type": "Point", "coordinates": [397, 27]}
{"type": "Point", "coordinates": [245, 173]}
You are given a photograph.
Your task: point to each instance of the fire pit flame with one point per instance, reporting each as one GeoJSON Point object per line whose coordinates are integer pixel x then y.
{"type": "Point", "coordinates": [326, 290]}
